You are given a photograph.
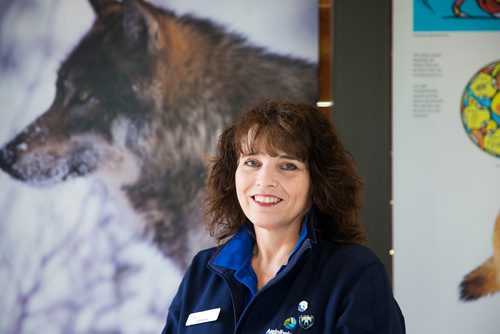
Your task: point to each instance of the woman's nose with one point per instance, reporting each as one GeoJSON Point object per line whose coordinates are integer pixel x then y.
{"type": "Point", "coordinates": [266, 177]}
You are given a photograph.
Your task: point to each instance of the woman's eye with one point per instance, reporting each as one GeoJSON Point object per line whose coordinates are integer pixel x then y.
{"type": "Point", "coordinates": [288, 166]}
{"type": "Point", "coordinates": [83, 95]}
{"type": "Point", "coordinates": [251, 163]}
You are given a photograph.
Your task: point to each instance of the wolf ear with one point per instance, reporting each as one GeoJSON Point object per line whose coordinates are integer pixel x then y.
{"type": "Point", "coordinates": [140, 26]}
{"type": "Point", "coordinates": [99, 5]}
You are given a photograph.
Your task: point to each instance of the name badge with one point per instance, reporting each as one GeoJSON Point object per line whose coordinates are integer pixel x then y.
{"type": "Point", "coordinates": [202, 317]}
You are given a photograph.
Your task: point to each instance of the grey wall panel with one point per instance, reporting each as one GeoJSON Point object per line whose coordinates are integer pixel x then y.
{"type": "Point", "coordinates": [362, 89]}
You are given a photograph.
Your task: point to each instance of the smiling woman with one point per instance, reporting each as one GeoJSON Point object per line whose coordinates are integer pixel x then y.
{"type": "Point", "coordinates": [274, 194]}
{"type": "Point", "coordinates": [282, 200]}
{"type": "Point", "coordinates": [297, 132]}
{"type": "Point", "coordinates": [273, 191]}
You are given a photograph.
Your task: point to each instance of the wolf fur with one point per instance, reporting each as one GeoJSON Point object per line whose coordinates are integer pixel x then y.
{"type": "Point", "coordinates": [140, 102]}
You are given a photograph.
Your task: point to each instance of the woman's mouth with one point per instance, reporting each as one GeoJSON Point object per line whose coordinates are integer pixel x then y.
{"type": "Point", "coordinates": [266, 199]}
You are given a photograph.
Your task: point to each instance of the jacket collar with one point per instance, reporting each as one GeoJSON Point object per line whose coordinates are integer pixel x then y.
{"type": "Point", "coordinates": [236, 253]}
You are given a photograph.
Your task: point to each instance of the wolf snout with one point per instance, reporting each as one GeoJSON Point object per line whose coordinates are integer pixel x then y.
{"type": "Point", "coordinates": [8, 157]}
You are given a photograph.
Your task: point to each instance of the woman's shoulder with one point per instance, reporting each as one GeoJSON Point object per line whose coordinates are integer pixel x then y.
{"type": "Point", "coordinates": [199, 263]}
{"type": "Point", "coordinates": [204, 256]}
{"type": "Point", "coordinates": [349, 253]}
{"type": "Point", "coordinates": [346, 264]}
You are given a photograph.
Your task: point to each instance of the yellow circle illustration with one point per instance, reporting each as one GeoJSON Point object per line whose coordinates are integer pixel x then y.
{"type": "Point", "coordinates": [480, 109]}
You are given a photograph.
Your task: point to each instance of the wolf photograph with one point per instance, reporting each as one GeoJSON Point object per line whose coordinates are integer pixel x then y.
{"type": "Point", "coordinates": [110, 111]}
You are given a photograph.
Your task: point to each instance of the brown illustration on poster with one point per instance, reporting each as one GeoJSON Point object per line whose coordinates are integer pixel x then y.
{"type": "Point", "coordinates": [485, 279]}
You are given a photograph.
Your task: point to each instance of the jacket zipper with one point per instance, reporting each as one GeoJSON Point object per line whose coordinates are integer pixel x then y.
{"type": "Point", "coordinates": [305, 246]}
{"type": "Point", "coordinates": [229, 285]}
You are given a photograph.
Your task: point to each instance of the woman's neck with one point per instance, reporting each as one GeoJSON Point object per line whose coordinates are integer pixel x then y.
{"type": "Point", "coordinates": [271, 251]}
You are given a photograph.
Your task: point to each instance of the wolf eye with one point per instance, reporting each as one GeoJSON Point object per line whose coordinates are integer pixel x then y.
{"type": "Point", "coordinates": [83, 95]}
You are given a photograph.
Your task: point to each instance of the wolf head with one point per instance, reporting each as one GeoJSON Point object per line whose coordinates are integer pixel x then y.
{"type": "Point", "coordinates": [88, 124]}
{"type": "Point", "coordinates": [140, 102]}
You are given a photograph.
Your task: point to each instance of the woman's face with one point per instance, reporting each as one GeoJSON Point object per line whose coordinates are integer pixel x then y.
{"type": "Point", "coordinates": [273, 191]}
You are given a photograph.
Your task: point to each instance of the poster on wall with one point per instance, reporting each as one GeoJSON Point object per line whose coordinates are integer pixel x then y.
{"type": "Point", "coordinates": [109, 111]}
{"type": "Point", "coordinates": [446, 164]}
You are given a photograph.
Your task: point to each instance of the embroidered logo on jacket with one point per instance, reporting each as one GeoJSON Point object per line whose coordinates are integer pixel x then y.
{"type": "Point", "coordinates": [303, 305]}
{"type": "Point", "coordinates": [306, 321]}
{"type": "Point", "coordinates": [290, 323]}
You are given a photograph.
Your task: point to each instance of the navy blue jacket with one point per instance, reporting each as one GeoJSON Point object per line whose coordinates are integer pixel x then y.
{"type": "Point", "coordinates": [344, 287]}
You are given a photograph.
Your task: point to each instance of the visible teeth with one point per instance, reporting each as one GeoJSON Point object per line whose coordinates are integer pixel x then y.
{"type": "Point", "coordinates": [267, 199]}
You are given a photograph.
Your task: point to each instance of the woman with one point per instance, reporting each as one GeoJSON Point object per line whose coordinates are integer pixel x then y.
{"type": "Point", "coordinates": [283, 200]}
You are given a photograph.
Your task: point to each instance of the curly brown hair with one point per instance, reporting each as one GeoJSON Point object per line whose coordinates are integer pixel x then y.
{"type": "Point", "coordinates": [302, 131]}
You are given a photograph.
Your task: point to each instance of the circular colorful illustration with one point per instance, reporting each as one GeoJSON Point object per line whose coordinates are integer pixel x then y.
{"type": "Point", "coordinates": [480, 109]}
